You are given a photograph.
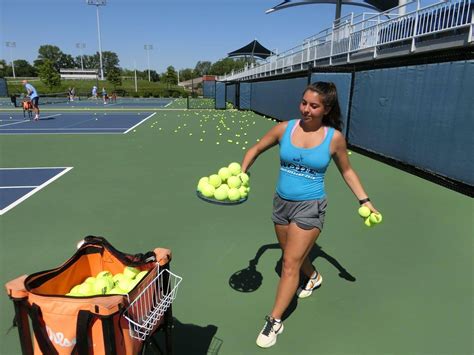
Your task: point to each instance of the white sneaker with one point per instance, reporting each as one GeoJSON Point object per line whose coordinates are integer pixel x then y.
{"type": "Point", "coordinates": [268, 335]}
{"type": "Point", "coordinates": [313, 283]}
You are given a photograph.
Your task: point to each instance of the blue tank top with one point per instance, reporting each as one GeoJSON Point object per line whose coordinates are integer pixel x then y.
{"type": "Point", "coordinates": [302, 170]}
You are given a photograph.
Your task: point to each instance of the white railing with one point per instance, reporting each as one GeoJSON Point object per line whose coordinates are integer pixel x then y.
{"type": "Point", "coordinates": [366, 32]}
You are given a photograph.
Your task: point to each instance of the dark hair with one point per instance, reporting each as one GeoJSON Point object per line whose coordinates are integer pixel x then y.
{"type": "Point", "coordinates": [328, 92]}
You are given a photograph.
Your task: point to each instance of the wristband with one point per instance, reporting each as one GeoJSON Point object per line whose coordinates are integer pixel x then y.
{"type": "Point", "coordinates": [364, 200]}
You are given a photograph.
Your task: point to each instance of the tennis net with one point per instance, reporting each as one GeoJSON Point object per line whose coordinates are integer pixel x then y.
{"type": "Point", "coordinates": [55, 98]}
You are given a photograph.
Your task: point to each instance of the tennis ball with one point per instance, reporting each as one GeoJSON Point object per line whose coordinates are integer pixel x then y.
{"type": "Point", "coordinates": [117, 277]}
{"type": "Point", "coordinates": [74, 290]}
{"type": "Point", "coordinates": [141, 275]}
{"type": "Point", "coordinates": [234, 194]}
{"type": "Point", "coordinates": [215, 180]}
{"type": "Point", "coordinates": [224, 173]}
{"type": "Point", "coordinates": [85, 289]}
{"type": "Point", "coordinates": [367, 222]}
{"type": "Point", "coordinates": [116, 291]}
{"type": "Point", "coordinates": [364, 211]}
{"type": "Point", "coordinates": [124, 283]}
{"type": "Point", "coordinates": [375, 218]}
{"type": "Point", "coordinates": [130, 272]}
{"type": "Point", "coordinates": [221, 193]}
{"type": "Point", "coordinates": [235, 168]}
{"type": "Point", "coordinates": [104, 273]}
{"type": "Point", "coordinates": [132, 285]}
{"type": "Point", "coordinates": [234, 182]}
{"type": "Point", "coordinates": [204, 179]}
{"type": "Point", "coordinates": [90, 280]}
{"type": "Point", "coordinates": [244, 178]}
{"type": "Point", "coordinates": [243, 192]}
{"type": "Point", "coordinates": [208, 190]}
{"type": "Point", "coordinates": [102, 285]}
{"type": "Point", "coordinates": [225, 187]}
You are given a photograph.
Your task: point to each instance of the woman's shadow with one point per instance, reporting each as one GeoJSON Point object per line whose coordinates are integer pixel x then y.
{"type": "Point", "coordinates": [250, 279]}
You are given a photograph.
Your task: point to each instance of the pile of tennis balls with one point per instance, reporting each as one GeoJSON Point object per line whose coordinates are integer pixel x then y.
{"type": "Point", "coordinates": [228, 184]}
{"type": "Point", "coordinates": [104, 283]}
{"type": "Point", "coordinates": [369, 217]}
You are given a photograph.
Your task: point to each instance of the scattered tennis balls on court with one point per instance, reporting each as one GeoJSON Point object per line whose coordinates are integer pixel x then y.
{"type": "Point", "coordinates": [364, 211]}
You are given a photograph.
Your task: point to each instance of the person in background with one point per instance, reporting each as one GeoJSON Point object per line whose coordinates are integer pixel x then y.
{"type": "Point", "coordinates": [104, 95]}
{"type": "Point", "coordinates": [94, 92]}
{"type": "Point", "coordinates": [13, 100]}
{"type": "Point", "coordinates": [299, 204]}
{"type": "Point", "coordinates": [34, 97]}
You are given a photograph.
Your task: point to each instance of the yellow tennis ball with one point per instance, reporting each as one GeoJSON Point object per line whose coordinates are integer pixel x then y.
{"type": "Point", "coordinates": [221, 193]}
{"type": "Point", "coordinates": [364, 211]}
{"type": "Point", "coordinates": [375, 218]}
{"type": "Point", "coordinates": [208, 190]}
{"type": "Point", "coordinates": [234, 194]}
{"type": "Point", "coordinates": [367, 222]}
{"type": "Point", "coordinates": [235, 168]}
{"type": "Point", "coordinates": [215, 180]}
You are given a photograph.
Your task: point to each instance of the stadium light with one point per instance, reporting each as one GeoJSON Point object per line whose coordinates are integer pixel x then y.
{"type": "Point", "coordinates": [98, 3]}
{"type": "Point", "coordinates": [11, 45]}
{"type": "Point", "coordinates": [148, 48]}
{"type": "Point", "coordinates": [81, 46]}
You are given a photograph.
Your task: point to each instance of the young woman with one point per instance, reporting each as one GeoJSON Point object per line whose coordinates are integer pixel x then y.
{"type": "Point", "coordinates": [306, 148]}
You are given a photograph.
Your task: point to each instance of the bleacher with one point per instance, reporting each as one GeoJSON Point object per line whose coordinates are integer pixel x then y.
{"type": "Point", "coordinates": [403, 30]}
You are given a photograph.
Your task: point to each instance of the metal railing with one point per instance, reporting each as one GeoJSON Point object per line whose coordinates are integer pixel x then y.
{"type": "Point", "coordinates": [366, 33]}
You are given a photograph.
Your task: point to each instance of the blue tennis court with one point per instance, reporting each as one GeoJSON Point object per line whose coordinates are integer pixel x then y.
{"type": "Point", "coordinates": [17, 184]}
{"type": "Point", "coordinates": [73, 122]}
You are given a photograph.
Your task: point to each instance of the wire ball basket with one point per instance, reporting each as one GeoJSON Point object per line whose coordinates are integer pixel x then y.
{"type": "Point", "coordinates": [149, 301]}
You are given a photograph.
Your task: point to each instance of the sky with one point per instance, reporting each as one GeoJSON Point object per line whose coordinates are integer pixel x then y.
{"type": "Point", "coordinates": [182, 32]}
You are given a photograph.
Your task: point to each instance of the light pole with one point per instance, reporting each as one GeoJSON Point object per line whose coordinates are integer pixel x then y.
{"type": "Point", "coordinates": [98, 3]}
{"type": "Point", "coordinates": [81, 46]}
{"type": "Point", "coordinates": [11, 45]}
{"type": "Point", "coordinates": [148, 48]}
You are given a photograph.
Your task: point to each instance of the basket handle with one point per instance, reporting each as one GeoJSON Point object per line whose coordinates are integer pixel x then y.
{"type": "Point", "coordinates": [162, 255]}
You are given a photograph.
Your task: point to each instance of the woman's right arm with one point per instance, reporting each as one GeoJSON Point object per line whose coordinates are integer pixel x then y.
{"type": "Point", "coordinates": [270, 139]}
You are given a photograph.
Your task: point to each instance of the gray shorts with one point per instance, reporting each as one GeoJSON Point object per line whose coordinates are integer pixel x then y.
{"type": "Point", "coordinates": [306, 214]}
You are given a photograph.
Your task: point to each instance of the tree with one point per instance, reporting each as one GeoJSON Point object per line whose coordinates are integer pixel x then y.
{"type": "Point", "coordinates": [51, 53]}
{"type": "Point", "coordinates": [202, 68]}
{"type": "Point", "coordinates": [171, 77]}
{"type": "Point", "coordinates": [226, 65]}
{"type": "Point", "coordinates": [154, 76]}
{"type": "Point", "coordinates": [48, 74]}
{"type": "Point", "coordinates": [23, 68]}
{"type": "Point", "coordinates": [186, 74]}
{"type": "Point", "coordinates": [3, 68]}
{"type": "Point", "coordinates": [114, 76]}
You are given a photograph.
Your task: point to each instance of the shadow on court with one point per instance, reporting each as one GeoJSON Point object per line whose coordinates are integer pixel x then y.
{"type": "Point", "coordinates": [190, 339]}
{"type": "Point", "coordinates": [250, 279]}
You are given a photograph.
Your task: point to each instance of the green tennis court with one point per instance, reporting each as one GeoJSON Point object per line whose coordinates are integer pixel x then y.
{"type": "Point", "coordinates": [402, 287]}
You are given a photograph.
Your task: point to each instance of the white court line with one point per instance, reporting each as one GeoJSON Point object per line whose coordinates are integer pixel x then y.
{"type": "Point", "coordinates": [139, 123]}
{"type": "Point", "coordinates": [17, 187]}
{"type": "Point", "coordinates": [66, 129]}
{"type": "Point", "coordinates": [169, 103]}
{"type": "Point", "coordinates": [32, 192]}
{"type": "Point", "coordinates": [26, 121]}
